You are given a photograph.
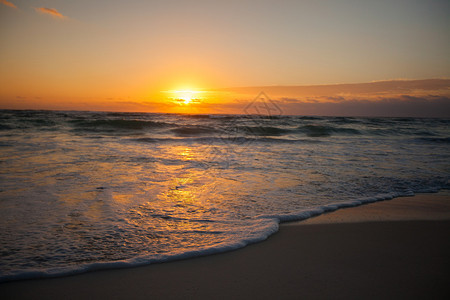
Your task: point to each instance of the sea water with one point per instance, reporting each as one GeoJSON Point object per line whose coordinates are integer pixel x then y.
{"type": "Point", "coordinates": [89, 190]}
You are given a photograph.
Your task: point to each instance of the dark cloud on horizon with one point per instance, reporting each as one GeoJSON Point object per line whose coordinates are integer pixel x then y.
{"type": "Point", "coordinates": [403, 106]}
{"type": "Point", "coordinates": [392, 98]}
{"type": "Point", "coordinates": [380, 88]}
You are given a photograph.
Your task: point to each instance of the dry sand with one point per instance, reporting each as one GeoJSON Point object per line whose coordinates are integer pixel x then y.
{"type": "Point", "coordinates": [397, 249]}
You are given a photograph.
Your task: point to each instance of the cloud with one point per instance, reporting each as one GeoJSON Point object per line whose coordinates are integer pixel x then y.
{"type": "Point", "coordinates": [401, 106]}
{"type": "Point", "coordinates": [392, 98]}
{"type": "Point", "coordinates": [371, 89]}
{"type": "Point", "coordinates": [8, 3]}
{"type": "Point", "coordinates": [50, 11]}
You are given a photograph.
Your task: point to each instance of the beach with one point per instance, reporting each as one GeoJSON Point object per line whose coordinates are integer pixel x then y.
{"type": "Point", "coordinates": [394, 249]}
{"type": "Point", "coordinates": [224, 150]}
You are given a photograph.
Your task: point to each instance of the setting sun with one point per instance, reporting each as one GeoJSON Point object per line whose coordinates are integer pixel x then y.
{"type": "Point", "coordinates": [185, 96]}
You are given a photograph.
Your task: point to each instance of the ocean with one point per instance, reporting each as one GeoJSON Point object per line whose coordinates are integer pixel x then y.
{"type": "Point", "coordinates": [83, 191]}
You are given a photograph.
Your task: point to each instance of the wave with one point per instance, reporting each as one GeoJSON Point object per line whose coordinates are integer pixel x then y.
{"type": "Point", "coordinates": [254, 126]}
{"type": "Point", "coordinates": [238, 140]}
{"type": "Point", "coordinates": [198, 116]}
{"type": "Point", "coordinates": [193, 130]}
{"type": "Point", "coordinates": [445, 140]}
{"type": "Point", "coordinates": [227, 131]}
{"type": "Point", "coordinates": [127, 114]}
{"type": "Point", "coordinates": [345, 120]}
{"type": "Point", "coordinates": [6, 126]}
{"type": "Point", "coordinates": [322, 131]}
{"type": "Point", "coordinates": [263, 130]}
{"type": "Point", "coordinates": [260, 229]}
{"type": "Point", "coordinates": [42, 124]}
{"type": "Point", "coordinates": [116, 124]}
{"type": "Point", "coordinates": [143, 145]}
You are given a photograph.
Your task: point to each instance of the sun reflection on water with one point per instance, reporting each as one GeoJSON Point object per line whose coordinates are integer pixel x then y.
{"type": "Point", "coordinates": [187, 154]}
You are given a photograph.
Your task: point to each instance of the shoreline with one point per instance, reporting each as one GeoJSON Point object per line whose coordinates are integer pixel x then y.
{"type": "Point", "coordinates": [380, 249]}
{"type": "Point", "coordinates": [420, 207]}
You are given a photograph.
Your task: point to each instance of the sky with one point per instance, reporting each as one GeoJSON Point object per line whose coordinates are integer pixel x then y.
{"type": "Point", "coordinates": [133, 55]}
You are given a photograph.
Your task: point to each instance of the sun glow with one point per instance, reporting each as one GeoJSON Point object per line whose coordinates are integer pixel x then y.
{"type": "Point", "coordinates": [185, 96]}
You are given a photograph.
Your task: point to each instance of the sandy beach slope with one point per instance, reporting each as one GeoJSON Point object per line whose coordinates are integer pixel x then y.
{"type": "Point", "coordinates": [397, 249]}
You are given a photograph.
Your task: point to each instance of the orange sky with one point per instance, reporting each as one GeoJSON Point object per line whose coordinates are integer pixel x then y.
{"type": "Point", "coordinates": [132, 55]}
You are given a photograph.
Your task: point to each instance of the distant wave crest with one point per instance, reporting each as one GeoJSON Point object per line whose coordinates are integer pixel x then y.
{"type": "Point", "coordinates": [116, 124]}
{"type": "Point", "coordinates": [321, 130]}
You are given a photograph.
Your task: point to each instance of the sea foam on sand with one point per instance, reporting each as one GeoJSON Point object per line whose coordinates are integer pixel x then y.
{"type": "Point", "coordinates": [395, 249]}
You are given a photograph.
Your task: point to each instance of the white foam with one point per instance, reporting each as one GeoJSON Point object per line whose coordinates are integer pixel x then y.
{"type": "Point", "coordinates": [78, 194]}
{"type": "Point", "coordinates": [265, 226]}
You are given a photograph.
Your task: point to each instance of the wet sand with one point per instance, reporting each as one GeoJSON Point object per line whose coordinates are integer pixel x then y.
{"type": "Point", "coordinates": [396, 249]}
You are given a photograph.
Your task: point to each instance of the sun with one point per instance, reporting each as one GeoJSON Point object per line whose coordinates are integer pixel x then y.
{"type": "Point", "coordinates": [185, 96]}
